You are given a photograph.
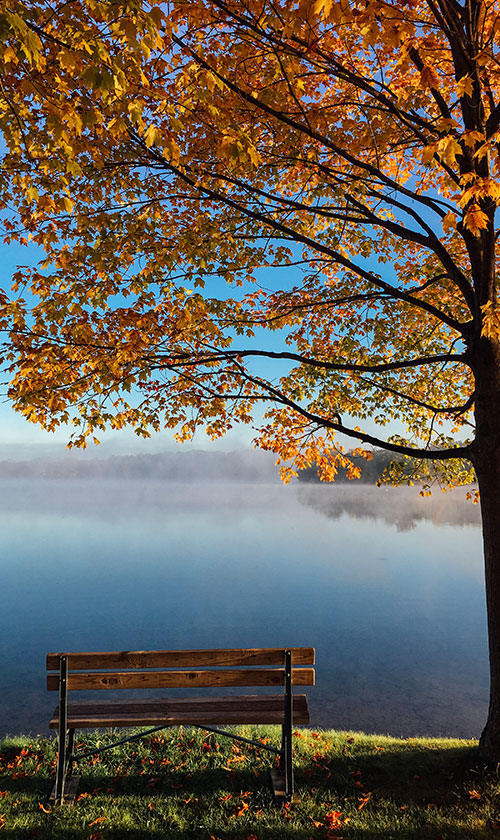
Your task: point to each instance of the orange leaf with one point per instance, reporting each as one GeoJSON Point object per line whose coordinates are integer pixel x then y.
{"type": "Point", "coordinates": [98, 820]}
{"type": "Point", "coordinates": [316, 823]}
{"type": "Point", "coordinates": [364, 800]}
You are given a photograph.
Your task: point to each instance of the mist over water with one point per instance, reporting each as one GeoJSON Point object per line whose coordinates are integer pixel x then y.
{"type": "Point", "coordinates": [388, 587]}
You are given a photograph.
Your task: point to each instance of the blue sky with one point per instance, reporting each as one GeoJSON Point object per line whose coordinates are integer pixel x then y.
{"type": "Point", "coordinates": [19, 438]}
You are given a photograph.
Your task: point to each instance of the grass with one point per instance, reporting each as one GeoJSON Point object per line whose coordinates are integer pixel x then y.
{"type": "Point", "coordinates": [184, 784]}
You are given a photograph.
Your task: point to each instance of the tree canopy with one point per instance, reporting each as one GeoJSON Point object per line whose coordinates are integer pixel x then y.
{"type": "Point", "coordinates": [164, 156]}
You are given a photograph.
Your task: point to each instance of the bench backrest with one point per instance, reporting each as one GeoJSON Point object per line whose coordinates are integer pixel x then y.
{"type": "Point", "coordinates": [180, 668]}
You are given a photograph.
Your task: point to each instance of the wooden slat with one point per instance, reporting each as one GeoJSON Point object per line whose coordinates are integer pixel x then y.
{"type": "Point", "coordinates": [180, 679]}
{"type": "Point", "coordinates": [126, 659]}
{"type": "Point", "coordinates": [209, 711]}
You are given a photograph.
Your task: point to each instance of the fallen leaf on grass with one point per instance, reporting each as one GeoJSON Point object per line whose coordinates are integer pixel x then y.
{"type": "Point", "coordinates": [316, 823]}
{"type": "Point", "coordinates": [474, 794]}
{"type": "Point", "coordinates": [240, 811]}
{"type": "Point", "coordinates": [44, 808]}
{"type": "Point", "coordinates": [98, 820]}
{"type": "Point", "coordinates": [2, 820]}
{"type": "Point", "coordinates": [335, 820]}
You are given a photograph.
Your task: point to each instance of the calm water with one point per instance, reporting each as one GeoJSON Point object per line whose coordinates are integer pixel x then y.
{"type": "Point", "coordinates": [387, 587]}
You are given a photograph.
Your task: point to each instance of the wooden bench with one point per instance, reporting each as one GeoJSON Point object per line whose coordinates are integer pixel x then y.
{"type": "Point", "coordinates": [165, 669]}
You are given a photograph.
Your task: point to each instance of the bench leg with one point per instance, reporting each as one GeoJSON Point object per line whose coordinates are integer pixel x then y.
{"type": "Point", "coordinates": [286, 761]}
{"type": "Point", "coordinates": [69, 754]}
{"type": "Point", "coordinates": [66, 784]}
{"type": "Point", "coordinates": [286, 739]}
{"type": "Point", "coordinates": [62, 753]}
{"type": "Point", "coordinates": [61, 768]}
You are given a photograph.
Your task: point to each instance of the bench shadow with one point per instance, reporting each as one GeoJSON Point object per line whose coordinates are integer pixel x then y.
{"type": "Point", "coordinates": [417, 776]}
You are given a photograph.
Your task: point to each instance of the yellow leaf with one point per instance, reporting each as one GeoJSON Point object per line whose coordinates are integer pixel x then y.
{"type": "Point", "coordinates": [449, 222]}
{"type": "Point", "coordinates": [491, 321]}
{"type": "Point", "coordinates": [67, 59]}
{"type": "Point", "coordinates": [152, 135]}
{"type": "Point", "coordinates": [73, 168]}
{"type": "Point", "coordinates": [135, 110]}
{"type": "Point", "coordinates": [429, 78]}
{"type": "Point", "coordinates": [428, 152]}
{"type": "Point", "coordinates": [31, 194]}
{"type": "Point", "coordinates": [253, 155]}
{"type": "Point", "coordinates": [475, 219]}
{"type": "Point", "coordinates": [322, 8]}
{"type": "Point", "coordinates": [470, 138]}
{"type": "Point", "coordinates": [465, 86]}
{"type": "Point", "coordinates": [117, 126]}
{"type": "Point", "coordinates": [449, 148]}
{"type": "Point", "coordinates": [9, 56]}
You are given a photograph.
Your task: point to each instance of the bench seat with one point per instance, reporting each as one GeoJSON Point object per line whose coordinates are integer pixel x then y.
{"type": "Point", "coordinates": [246, 709]}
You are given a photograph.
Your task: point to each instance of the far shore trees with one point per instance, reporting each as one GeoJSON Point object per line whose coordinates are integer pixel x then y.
{"type": "Point", "coordinates": [253, 203]}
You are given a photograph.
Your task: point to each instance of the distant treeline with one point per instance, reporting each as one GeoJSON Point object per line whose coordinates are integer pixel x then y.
{"type": "Point", "coordinates": [194, 465]}
{"type": "Point", "coordinates": [197, 466]}
{"type": "Point", "coordinates": [370, 470]}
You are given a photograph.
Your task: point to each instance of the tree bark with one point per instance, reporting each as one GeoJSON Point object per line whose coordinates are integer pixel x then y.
{"type": "Point", "coordinates": [486, 460]}
{"type": "Point", "coordinates": [488, 475]}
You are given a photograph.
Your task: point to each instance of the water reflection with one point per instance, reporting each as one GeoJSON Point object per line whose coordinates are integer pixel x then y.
{"type": "Point", "coordinates": [399, 506]}
{"type": "Point", "coordinates": [387, 587]}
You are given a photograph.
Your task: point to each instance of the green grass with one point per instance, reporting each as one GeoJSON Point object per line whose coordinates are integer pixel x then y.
{"type": "Point", "coordinates": [183, 784]}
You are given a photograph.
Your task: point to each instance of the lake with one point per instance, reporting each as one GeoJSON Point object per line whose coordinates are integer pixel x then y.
{"type": "Point", "coordinates": [388, 587]}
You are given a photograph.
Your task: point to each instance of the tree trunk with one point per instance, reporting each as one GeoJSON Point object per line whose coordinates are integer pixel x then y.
{"type": "Point", "coordinates": [486, 460]}
{"type": "Point", "coordinates": [488, 475]}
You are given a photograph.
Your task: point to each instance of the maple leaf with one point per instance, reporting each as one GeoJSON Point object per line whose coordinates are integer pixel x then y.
{"type": "Point", "coordinates": [465, 86]}
{"type": "Point", "coordinates": [322, 8]}
{"type": "Point", "coordinates": [429, 77]}
{"type": "Point", "coordinates": [475, 219]}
